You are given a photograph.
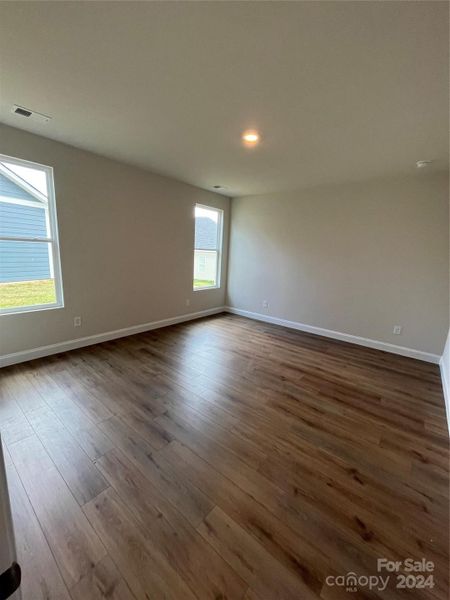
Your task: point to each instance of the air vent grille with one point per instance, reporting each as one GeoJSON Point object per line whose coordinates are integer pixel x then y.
{"type": "Point", "coordinates": [23, 112]}
{"type": "Point", "coordinates": [30, 114]}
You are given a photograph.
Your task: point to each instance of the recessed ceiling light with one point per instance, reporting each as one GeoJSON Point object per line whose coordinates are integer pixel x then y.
{"type": "Point", "coordinates": [250, 137]}
{"type": "Point", "coordinates": [421, 164]}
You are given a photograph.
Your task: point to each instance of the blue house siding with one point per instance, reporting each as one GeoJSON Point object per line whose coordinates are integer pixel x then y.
{"type": "Point", "coordinates": [22, 261]}
{"type": "Point", "coordinates": [20, 220]}
{"type": "Point", "coordinates": [205, 233]}
{"type": "Point", "coordinates": [10, 190]}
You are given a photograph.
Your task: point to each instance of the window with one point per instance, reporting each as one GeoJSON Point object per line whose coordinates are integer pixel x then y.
{"type": "Point", "coordinates": [30, 272]}
{"type": "Point", "coordinates": [202, 263]}
{"type": "Point", "coordinates": [208, 247]}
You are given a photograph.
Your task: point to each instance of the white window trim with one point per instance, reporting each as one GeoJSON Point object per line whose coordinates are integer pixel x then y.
{"type": "Point", "coordinates": [53, 240]}
{"type": "Point", "coordinates": [37, 204]}
{"type": "Point", "coordinates": [218, 250]}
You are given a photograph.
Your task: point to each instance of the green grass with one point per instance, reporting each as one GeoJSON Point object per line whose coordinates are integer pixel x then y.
{"type": "Point", "coordinates": [30, 293]}
{"type": "Point", "coordinates": [27, 293]}
{"type": "Point", "coordinates": [202, 283]}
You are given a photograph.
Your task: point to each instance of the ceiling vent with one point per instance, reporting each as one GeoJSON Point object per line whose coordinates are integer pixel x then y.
{"type": "Point", "coordinates": [29, 114]}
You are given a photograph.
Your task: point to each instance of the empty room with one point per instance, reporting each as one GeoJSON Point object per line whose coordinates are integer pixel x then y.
{"type": "Point", "coordinates": [224, 300]}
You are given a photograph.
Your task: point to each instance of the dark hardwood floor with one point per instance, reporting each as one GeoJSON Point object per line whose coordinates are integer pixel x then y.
{"type": "Point", "coordinates": [224, 459]}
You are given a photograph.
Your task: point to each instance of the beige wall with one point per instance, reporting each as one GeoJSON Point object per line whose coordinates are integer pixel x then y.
{"type": "Point", "coordinates": [127, 239]}
{"type": "Point", "coordinates": [357, 258]}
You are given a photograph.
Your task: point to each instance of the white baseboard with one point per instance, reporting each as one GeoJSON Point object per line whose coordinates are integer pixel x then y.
{"type": "Point", "coordinates": [41, 351]}
{"type": "Point", "coordinates": [446, 388]}
{"type": "Point", "coordinates": [337, 335]}
{"type": "Point", "coordinates": [25, 355]}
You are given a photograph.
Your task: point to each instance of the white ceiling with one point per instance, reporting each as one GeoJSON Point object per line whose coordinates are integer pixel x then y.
{"type": "Point", "coordinates": [339, 90]}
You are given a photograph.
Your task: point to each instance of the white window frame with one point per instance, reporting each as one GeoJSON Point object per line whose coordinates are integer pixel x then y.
{"type": "Point", "coordinates": [219, 212]}
{"type": "Point", "coordinates": [52, 240]}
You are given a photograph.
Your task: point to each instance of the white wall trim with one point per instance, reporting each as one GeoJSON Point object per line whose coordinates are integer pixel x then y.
{"type": "Point", "coordinates": [25, 355]}
{"type": "Point", "coordinates": [337, 335]}
{"type": "Point", "coordinates": [40, 351]}
{"type": "Point", "coordinates": [446, 388]}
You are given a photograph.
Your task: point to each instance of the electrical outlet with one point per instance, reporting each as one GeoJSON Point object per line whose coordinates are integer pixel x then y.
{"type": "Point", "coordinates": [397, 329]}
{"type": "Point", "coordinates": [77, 321]}
{"type": "Point", "coordinates": [265, 304]}
{"type": "Point", "coordinates": [188, 302]}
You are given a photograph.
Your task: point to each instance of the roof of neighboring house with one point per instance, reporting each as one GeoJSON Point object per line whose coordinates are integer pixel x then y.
{"type": "Point", "coordinates": [205, 233]}
{"type": "Point", "coordinates": [9, 189]}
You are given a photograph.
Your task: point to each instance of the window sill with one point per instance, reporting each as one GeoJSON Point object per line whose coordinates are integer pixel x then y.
{"type": "Point", "coordinates": [27, 309]}
{"type": "Point", "coordinates": [204, 289]}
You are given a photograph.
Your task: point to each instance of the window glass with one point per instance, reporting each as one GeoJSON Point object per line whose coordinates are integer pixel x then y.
{"type": "Point", "coordinates": [208, 247]}
{"type": "Point", "coordinates": [30, 276]}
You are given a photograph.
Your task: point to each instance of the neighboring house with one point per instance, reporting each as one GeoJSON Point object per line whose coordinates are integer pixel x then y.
{"type": "Point", "coordinates": [205, 259]}
{"type": "Point", "coordinates": [22, 213]}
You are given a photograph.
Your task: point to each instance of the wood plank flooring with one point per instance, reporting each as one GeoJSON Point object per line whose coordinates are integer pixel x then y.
{"type": "Point", "coordinates": [224, 459]}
